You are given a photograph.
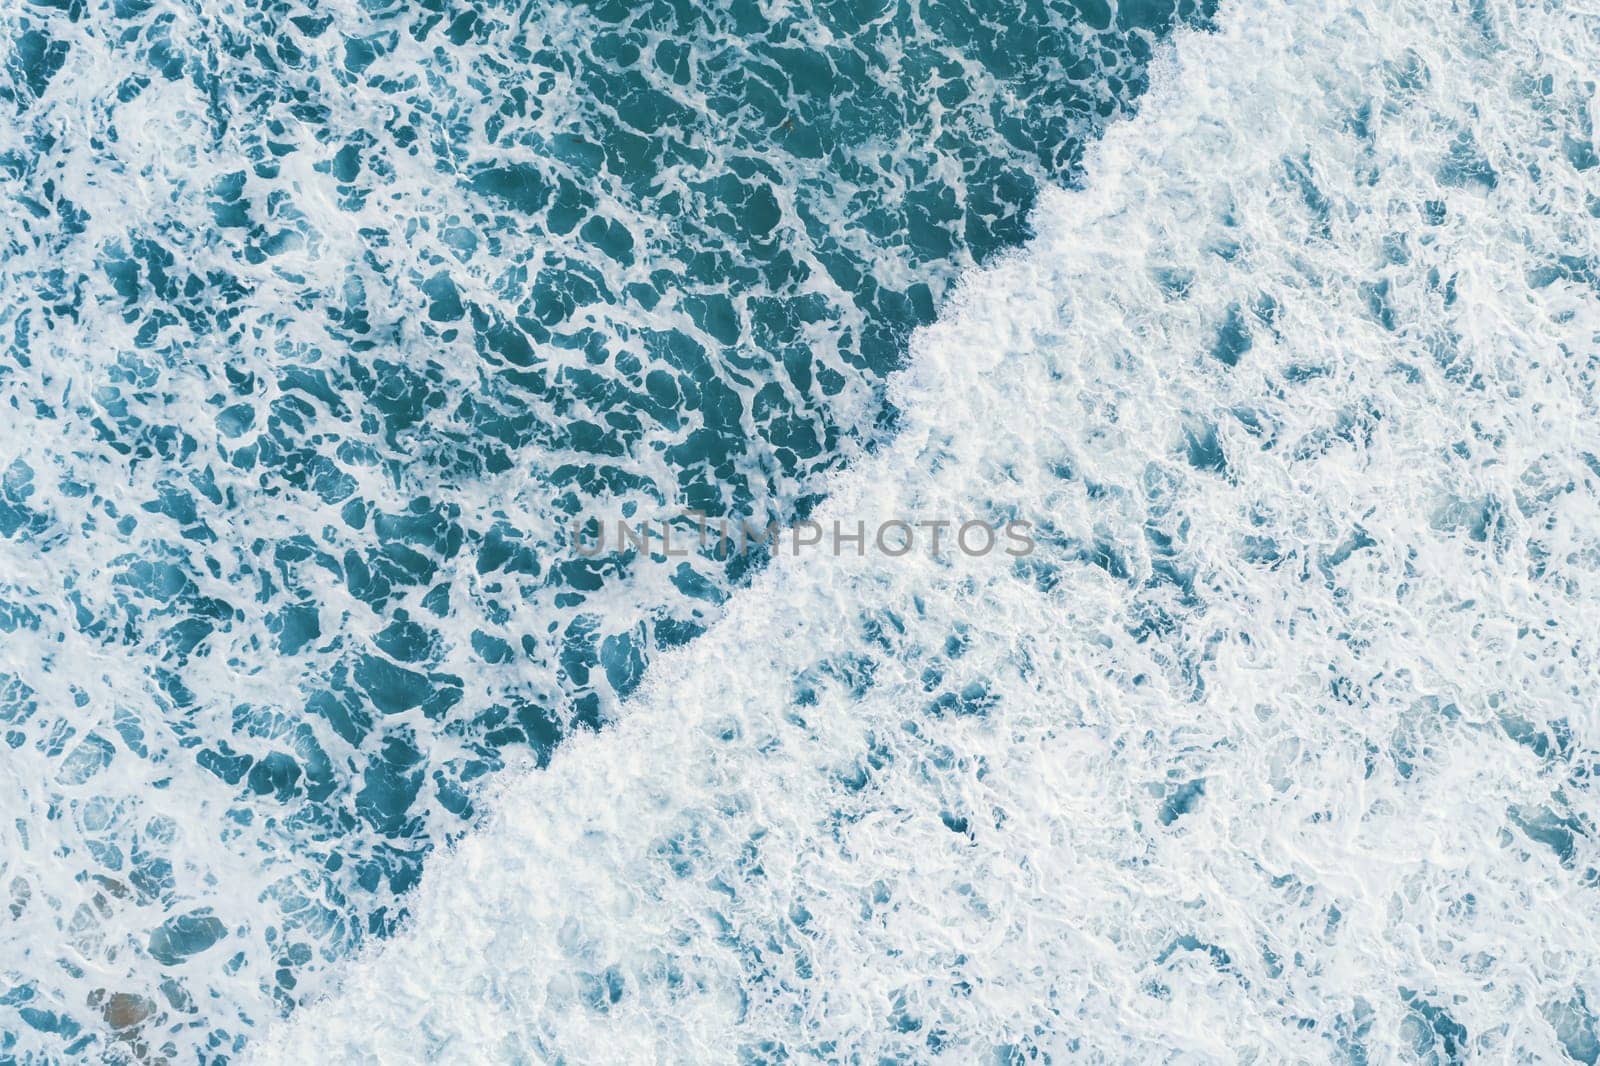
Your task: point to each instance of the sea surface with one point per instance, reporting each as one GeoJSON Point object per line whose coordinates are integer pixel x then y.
{"type": "Point", "coordinates": [322, 326]}
{"type": "Point", "coordinates": [1281, 748]}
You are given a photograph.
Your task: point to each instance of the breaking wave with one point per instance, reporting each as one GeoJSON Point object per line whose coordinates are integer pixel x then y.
{"type": "Point", "coordinates": [321, 321]}
{"type": "Point", "coordinates": [1280, 747]}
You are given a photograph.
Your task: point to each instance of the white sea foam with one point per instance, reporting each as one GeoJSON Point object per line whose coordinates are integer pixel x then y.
{"type": "Point", "coordinates": [1279, 749]}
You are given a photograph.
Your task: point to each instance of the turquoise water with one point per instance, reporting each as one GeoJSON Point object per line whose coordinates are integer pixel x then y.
{"type": "Point", "coordinates": [320, 325]}
{"type": "Point", "coordinates": [1281, 746]}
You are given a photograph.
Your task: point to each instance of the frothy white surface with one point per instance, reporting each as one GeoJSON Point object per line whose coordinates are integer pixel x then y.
{"type": "Point", "coordinates": [1280, 747]}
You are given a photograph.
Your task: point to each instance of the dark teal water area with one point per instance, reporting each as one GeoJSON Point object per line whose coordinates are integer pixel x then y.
{"type": "Point", "coordinates": [318, 327]}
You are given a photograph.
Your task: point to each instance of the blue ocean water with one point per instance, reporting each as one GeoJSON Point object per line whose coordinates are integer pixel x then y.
{"type": "Point", "coordinates": [1280, 748]}
{"type": "Point", "coordinates": [321, 323]}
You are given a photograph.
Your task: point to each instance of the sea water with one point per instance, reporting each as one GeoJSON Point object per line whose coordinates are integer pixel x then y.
{"type": "Point", "coordinates": [1280, 748]}
{"type": "Point", "coordinates": [321, 324]}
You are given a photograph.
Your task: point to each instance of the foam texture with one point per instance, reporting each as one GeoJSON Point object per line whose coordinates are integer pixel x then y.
{"type": "Point", "coordinates": [1280, 746]}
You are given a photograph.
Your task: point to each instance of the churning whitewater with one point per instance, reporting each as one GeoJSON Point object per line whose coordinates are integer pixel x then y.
{"type": "Point", "coordinates": [1281, 746]}
{"type": "Point", "coordinates": [324, 323]}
